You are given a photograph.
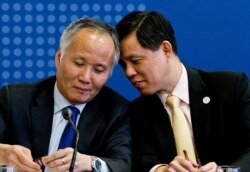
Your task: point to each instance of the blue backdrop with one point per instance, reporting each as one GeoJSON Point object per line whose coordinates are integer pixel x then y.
{"type": "Point", "coordinates": [213, 35]}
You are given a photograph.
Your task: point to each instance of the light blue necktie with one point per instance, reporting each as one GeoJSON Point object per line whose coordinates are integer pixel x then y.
{"type": "Point", "coordinates": [68, 136]}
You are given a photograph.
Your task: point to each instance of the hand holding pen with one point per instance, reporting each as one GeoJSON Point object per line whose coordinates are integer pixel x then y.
{"type": "Point", "coordinates": [195, 165]}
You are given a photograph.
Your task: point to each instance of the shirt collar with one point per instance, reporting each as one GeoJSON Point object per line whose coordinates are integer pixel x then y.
{"type": "Point", "coordinates": [180, 90]}
{"type": "Point", "coordinates": [61, 102]}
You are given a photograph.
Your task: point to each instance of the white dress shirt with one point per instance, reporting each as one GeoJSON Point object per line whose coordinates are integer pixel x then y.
{"type": "Point", "coordinates": [59, 123]}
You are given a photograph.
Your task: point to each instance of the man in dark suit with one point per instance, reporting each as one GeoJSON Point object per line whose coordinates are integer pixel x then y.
{"type": "Point", "coordinates": [31, 114]}
{"type": "Point", "coordinates": [216, 105]}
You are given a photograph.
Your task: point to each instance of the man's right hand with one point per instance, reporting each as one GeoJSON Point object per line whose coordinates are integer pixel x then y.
{"type": "Point", "coordinates": [19, 156]}
{"type": "Point", "coordinates": [178, 164]}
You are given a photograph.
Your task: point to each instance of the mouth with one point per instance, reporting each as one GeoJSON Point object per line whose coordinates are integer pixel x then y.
{"type": "Point", "coordinates": [138, 84]}
{"type": "Point", "coordinates": [83, 89]}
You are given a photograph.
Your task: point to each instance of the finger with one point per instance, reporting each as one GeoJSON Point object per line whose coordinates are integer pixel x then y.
{"type": "Point", "coordinates": [59, 162]}
{"type": "Point", "coordinates": [27, 161]}
{"type": "Point", "coordinates": [32, 166]}
{"type": "Point", "coordinates": [61, 168]}
{"type": "Point", "coordinates": [57, 155]}
{"type": "Point", "coordinates": [63, 153]}
{"type": "Point", "coordinates": [185, 164]}
{"type": "Point", "coordinates": [195, 164]}
{"type": "Point", "coordinates": [65, 168]}
{"type": "Point", "coordinates": [179, 166]}
{"type": "Point", "coordinates": [208, 167]}
{"type": "Point", "coordinates": [22, 167]}
{"type": "Point", "coordinates": [170, 169]}
{"type": "Point", "coordinates": [50, 158]}
{"type": "Point", "coordinates": [18, 156]}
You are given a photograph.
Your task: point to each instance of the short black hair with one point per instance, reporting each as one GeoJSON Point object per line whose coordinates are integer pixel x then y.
{"type": "Point", "coordinates": [151, 29]}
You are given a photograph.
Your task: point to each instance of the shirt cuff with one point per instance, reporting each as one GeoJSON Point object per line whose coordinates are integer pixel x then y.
{"type": "Point", "coordinates": [104, 165]}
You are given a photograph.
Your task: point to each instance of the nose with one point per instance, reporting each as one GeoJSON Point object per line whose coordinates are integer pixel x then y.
{"type": "Point", "coordinates": [130, 71]}
{"type": "Point", "coordinates": [85, 75]}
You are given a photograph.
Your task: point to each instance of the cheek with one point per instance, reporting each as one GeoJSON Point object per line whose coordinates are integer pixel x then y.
{"type": "Point", "coordinates": [67, 76]}
{"type": "Point", "coordinates": [99, 81]}
{"type": "Point", "coordinates": [70, 71]}
{"type": "Point", "coordinates": [153, 75]}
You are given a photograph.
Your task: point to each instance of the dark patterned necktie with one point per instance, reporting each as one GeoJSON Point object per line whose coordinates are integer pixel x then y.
{"type": "Point", "coordinates": [68, 135]}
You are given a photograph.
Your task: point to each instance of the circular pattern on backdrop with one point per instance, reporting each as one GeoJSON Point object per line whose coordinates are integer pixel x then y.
{"type": "Point", "coordinates": [30, 33]}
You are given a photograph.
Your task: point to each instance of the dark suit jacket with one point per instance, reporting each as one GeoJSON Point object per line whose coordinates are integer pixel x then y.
{"type": "Point", "coordinates": [221, 127]}
{"type": "Point", "coordinates": [27, 110]}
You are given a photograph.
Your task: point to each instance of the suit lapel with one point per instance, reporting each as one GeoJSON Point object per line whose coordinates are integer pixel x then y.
{"type": "Point", "coordinates": [200, 106]}
{"type": "Point", "coordinates": [167, 141]}
{"type": "Point", "coordinates": [41, 124]}
{"type": "Point", "coordinates": [88, 125]}
{"type": "Point", "coordinates": [41, 118]}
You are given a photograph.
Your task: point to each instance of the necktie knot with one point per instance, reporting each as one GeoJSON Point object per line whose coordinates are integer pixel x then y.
{"type": "Point", "coordinates": [173, 101]}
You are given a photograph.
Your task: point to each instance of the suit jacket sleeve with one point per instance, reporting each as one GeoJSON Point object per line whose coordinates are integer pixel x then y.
{"type": "Point", "coordinates": [243, 97]}
{"type": "Point", "coordinates": [104, 130]}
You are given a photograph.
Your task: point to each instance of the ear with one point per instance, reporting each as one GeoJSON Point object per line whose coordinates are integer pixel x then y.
{"type": "Point", "coordinates": [167, 48]}
{"type": "Point", "coordinates": [58, 57]}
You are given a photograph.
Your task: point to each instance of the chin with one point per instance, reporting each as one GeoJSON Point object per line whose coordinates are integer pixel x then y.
{"type": "Point", "coordinates": [80, 99]}
{"type": "Point", "coordinates": [147, 92]}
